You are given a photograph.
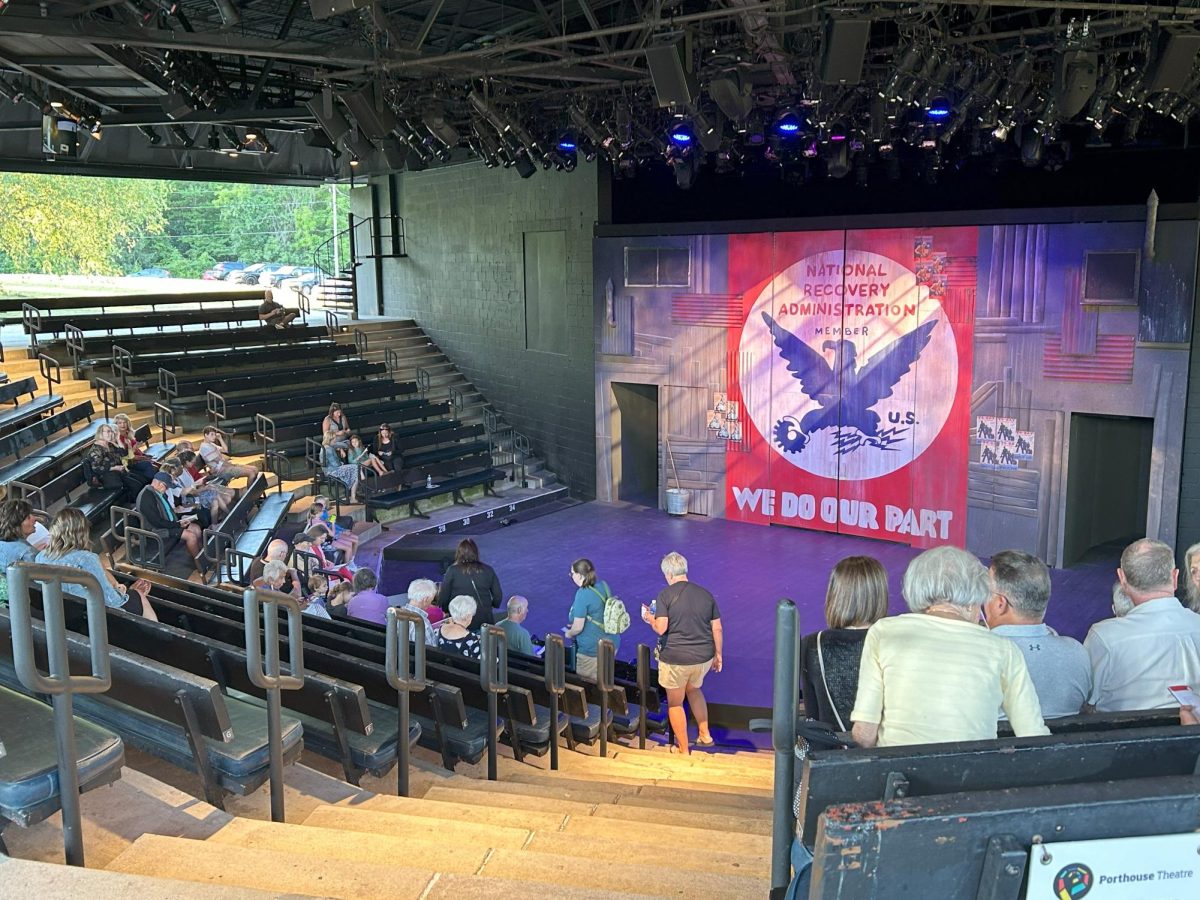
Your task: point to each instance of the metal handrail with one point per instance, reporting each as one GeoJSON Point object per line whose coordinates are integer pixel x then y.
{"type": "Point", "coordinates": [391, 360]}
{"type": "Point", "coordinates": [523, 446]}
{"type": "Point", "coordinates": [136, 552]}
{"type": "Point", "coordinates": [58, 681]}
{"type": "Point", "coordinates": [555, 661]}
{"type": "Point", "coordinates": [215, 407]}
{"type": "Point", "coordinates": [31, 494]}
{"type": "Point", "coordinates": [108, 394]}
{"type": "Point", "coordinates": [76, 346]}
{"type": "Point", "coordinates": [606, 659]}
{"type": "Point", "coordinates": [168, 384]}
{"type": "Point", "coordinates": [493, 678]}
{"type": "Point", "coordinates": [455, 399]}
{"type": "Point", "coordinates": [783, 739]}
{"type": "Point", "coordinates": [263, 606]}
{"type": "Point", "coordinates": [280, 466]}
{"type": "Point", "coordinates": [406, 674]}
{"type": "Point", "coordinates": [362, 343]}
{"type": "Point", "coordinates": [164, 418]}
{"type": "Point", "coordinates": [332, 323]}
{"type": "Point", "coordinates": [51, 371]}
{"type": "Point", "coordinates": [31, 317]}
{"type": "Point", "coordinates": [122, 363]}
{"type": "Point", "coordinates": [421, 376]}
{"type": "Point", "coordinates": [264, 430]}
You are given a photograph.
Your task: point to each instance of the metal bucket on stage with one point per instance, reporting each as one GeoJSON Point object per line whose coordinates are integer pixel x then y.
{"type": "Point", "coordinates": [677, 501]}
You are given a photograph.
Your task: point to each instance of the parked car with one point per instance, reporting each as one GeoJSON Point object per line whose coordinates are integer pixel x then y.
{"type": "Point", "coordinates": [298, 283]}
{"type": "Point", "coordinates": [152, 272]}
{"type": "Point", "coordinates": [249, 275]}
{"type": "Point", "coordinates": [222, 270]}
{"type": "Point", "coordinates": [271, 278]}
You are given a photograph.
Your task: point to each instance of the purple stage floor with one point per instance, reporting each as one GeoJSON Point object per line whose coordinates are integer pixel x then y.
{"type": "Point", "coordinates": [747, 567]}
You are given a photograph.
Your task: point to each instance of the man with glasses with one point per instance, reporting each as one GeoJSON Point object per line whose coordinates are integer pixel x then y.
{"type": "Point", "coordinates": [1059, 666]}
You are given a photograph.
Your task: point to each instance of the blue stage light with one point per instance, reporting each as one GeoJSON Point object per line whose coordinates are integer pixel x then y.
{"type": "Point", "coordinates": [682, 134]}
{"type": "Point", "coordinates": [567, 143]}
{"type": "Point", "coordinates": [939, 108]}
{"type": "Point", "coordinates": [789, 123]}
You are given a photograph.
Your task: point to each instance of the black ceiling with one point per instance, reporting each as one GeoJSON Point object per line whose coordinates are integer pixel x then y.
{"type": "Point", "coordinates": [173, 87]}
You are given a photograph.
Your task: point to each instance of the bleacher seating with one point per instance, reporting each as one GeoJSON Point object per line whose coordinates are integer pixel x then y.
{"type": "Point", "coordinates": [38, 447]}
{"type": "Point", "coordinates": [179, 717]}
{"type": "Point", "coordinates": [22, 412]}
{"type": "Point", "coordinates": [242, 536]}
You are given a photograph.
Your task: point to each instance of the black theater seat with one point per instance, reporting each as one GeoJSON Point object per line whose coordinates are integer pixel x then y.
{"type": "Point", "coordinates": [29, 790]}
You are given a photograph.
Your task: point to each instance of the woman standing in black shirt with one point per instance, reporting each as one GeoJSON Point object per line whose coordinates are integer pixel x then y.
{"type": "Point", "coordinates": [857, 597]}
{"type": "Point", "coordinates": [472, 578]}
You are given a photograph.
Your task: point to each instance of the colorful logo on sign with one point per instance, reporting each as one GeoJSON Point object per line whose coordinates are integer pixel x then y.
{"type": "Point", "coordinates": [840, 337]}
{"type": "Point", "coordinates": [1072, 881]}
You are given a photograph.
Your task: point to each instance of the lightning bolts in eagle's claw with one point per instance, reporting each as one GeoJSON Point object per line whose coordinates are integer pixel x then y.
{"type": "Point", "coordinates": [792, 439]}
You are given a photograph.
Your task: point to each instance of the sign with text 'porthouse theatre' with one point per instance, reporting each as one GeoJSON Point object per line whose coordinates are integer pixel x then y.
{"type": "Point", "coordinates": [918, 385]}
{"type": "Point", "coordinates": [1158, 867]}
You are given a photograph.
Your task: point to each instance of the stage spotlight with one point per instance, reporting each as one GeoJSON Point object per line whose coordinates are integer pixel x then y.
{"type": "Point", "coordinates": [151, 135]}
{"type": "Point", "coordinates": [1031, 147]}
{"type": "Point", "coordinates": [353, 161]}
{"type": "Point", "coordinates": [253, 132]}
{"type": "Point", "coordinates": [524, 165]}
{"type": "Point", "coordinates": [788, 123]}
{"type": "Point", "coordinates": [627, 165]}
{"type": "Point", "coordinates": [939, 108]}
{"type": "Point", "coordinates": [181, 135]}
{"type": "Point", "coordinates": [753, 134]}
{"type": "Point", "coordinates": [567, 142]}
{"type": "Point", "coordinates": [95, 130]}
{"type": "Point", "coordinates": [682, 135]}
{"type": "Point", "coordinates": [838, 132]}
{"type": "Point", "coordinates": [685, 170]}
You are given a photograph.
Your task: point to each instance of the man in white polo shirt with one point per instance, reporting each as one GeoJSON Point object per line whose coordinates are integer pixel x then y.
{"type": "Point", "coordinates": [1135, 658]}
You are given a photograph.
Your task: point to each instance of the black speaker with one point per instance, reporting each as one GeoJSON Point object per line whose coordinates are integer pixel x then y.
{"type": "Point", "coordinates": [1172, 60]}
{"type": "Point", "coordinates": [330, 117]}
{"type": "Point", "coordinates": [843, 50]}
{"type": "Point", "coordinates": [325, 9]}
{"type": "Point", "coordinates": [671, 70]}
{"type": "Point", "coordinates": [374, 117]}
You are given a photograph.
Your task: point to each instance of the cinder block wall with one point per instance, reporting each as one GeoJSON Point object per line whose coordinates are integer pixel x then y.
{"type": "Point", "coordinates": [464, 282]}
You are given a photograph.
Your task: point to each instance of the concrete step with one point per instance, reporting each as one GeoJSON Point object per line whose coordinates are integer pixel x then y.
{"type": "Point", "coordinates": [623, 875]}
{"type": "Point", "coordinates": [620, 776]}
{"type": "Point", "coordinates": [300, 870]}
{"type": "Point", "coordinates": [625, 845]}
{"type": "Point", "coordinates": [50, 881]}
{"type": "Point", "coordinates": [579, 765]}
{"type": "Point", "coordinates": [742, 760]}
{"type": "Point", "coordinates": [698, 816]}
{"type": "Point", "coordinates": [529, 819]}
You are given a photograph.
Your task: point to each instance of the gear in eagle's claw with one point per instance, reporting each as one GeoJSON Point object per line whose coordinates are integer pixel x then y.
{"type": "Point", "coordinates": [789, 436]}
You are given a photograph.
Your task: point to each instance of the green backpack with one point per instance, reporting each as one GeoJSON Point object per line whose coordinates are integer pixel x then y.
{"type": "Point", "coordinates": [616, 616]}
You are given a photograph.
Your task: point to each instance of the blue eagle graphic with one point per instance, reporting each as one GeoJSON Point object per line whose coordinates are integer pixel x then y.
{"type": "Point", "coordinates": [845, 392]}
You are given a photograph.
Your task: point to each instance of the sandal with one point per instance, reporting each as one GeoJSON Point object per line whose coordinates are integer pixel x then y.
{"type": "Point", "coordinates": [709, 743]}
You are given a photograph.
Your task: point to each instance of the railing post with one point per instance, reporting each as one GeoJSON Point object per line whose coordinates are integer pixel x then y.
{"type": "Point", "coordinates": [556, 683]}
{"type": "Point", "coordinates": [493, 677]}
{"type": "Point", "coordinates": [606, 658]}
{"type": "Point", "coordinates": [643, 685]}
{"type": "Point", "coordinates": [164, 418]}
{"type": "Point", "coordinates": [261, 607]}
{"type": "Point", "coordinates": [58, 681]}
{"type": "Point", "coordinates": [783, 739]}
{"type": "Point", "coordinates": [405, 673]}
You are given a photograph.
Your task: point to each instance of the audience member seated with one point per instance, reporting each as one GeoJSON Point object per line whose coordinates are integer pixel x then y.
{"type": "Point", "coordinates": [1121, 604]}
{"type": "Point", "coordinates": [385, 448]}
{"type": "Point", "coordinates": [367, 603]}
{"type": "Point", "coordinates": [333, 467]}
{"type": "Point", "coordinates": [1058, 665]}
{"type": "Point", "coordinates": [934, 675]}
{"type": "Point", "coordinates": [16, 526]}
{"type": "Point", "coordinates": [1156, 644]}
{"type": "Point", "coordinates": [136, 459]}
{"type": "Point", "coordinates": [468, 575]}
{"type": "Point", "coordinates": [158, 515]}
{"type": "Point", "coordinates": [273, 314]}
{"type": "Point", "coordinates": [277, 551]}
{"type": "Point", "coordinates": [275, 573]}
{"type": "Point", "coordinates": [71, 545]}
{"type": "Point", "coordinates": [587, 618]}
{"type": "Point", "coordinates": [213, 497]}
{"type": "Point", "coordinates": [336, 423]}
{"type": "Point", "coordinates": [315, 598]}
{"type": "Point", "coordinates": [421, 594]}
{"type": "Point", "coordinates": [360, 456]}
{"type": "Point", "coordinates": [456, 635]}
{"type": "Point", "coordinates": [343, 539]}
{"type": "Point", "coordinates": [519, 639]}
{"type": "Point", "coordinates": [856, 598]}
{"type": "Point", "coordinates": [215, 453]}
{"type": "Point", "coordinates": [313, 541]}
{"type": "Point", "coordinates": [337, 598]}
{"type": "Point", "coordinates": [184, 504]}
{"type": "Point", "coordinates": [1189, 596]}
{"type": "Point", "coordinates": [104, 466]}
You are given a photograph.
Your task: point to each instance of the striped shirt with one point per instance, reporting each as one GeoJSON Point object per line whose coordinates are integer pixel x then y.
{"type": "Point", "coordinates": [927, 679]}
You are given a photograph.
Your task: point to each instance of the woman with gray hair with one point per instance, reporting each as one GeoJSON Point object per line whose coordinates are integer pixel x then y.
{"type": "Point", "coordinates": [456, 636]}
{"type": "Point", "coordinates": [935, 675]}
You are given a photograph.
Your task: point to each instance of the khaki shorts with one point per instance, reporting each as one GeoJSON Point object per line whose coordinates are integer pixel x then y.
{"type": "Point", "coordinates": [586, 666]}
{"type": "Point", "coordinates": [674, 677]}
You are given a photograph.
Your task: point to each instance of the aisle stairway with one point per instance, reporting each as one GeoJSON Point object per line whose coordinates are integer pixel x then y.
{"type": "Point", "coordinates": [640, 823]}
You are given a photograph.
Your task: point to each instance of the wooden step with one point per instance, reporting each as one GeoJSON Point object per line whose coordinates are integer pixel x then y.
{"type": "Point", "coordinates": [52, 881]}
{"type": "Point", "coordinates": [300, 870]}
{"type": "Point", "coordinates": [620, 874]}
{"type": "Point", "coordinates": [511, 774]}
{"type": "Point", "coordinates": [529, 819]}
{"type": "Point", "coordinates": [355, 818]}
{"type": "Point", "coordinates": [584, 767]}
{"type": "Point", "coordinates": [698, 816]}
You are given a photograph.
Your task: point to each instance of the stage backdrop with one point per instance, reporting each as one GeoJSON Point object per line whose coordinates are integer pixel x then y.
{"type": "Point", "coordinates": [913, 385]}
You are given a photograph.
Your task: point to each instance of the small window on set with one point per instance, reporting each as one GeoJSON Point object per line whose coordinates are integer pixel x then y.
{"type": "Point", "coordinates": [658, 267]}
{"type": "Point", "coordinates": [1110, 277]}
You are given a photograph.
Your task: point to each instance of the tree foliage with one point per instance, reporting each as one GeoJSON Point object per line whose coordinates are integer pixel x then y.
{"type": "Point", "coordinates": [111, 226]}
{"type": "Point", "coordinates": [63, 225]}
